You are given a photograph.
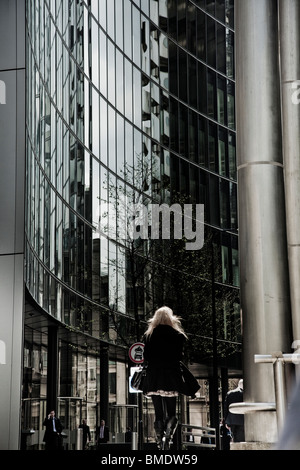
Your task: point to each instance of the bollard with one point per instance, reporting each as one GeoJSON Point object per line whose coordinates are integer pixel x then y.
{"type": "Point", "coordinates": [134, 441]}
{"type": "Point", "coordinates": [79, 439]}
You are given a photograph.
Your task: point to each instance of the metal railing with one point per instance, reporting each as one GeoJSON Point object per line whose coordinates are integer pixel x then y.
{"type": "Point", "coordinates": [280, 406]}
{"type": "Point", "coordinates": [198, 436]}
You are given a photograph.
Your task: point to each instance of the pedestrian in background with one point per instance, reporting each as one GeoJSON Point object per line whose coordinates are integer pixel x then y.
{"type": "Point", "coordinates": [102, 433]}
{"type": "Point", "coordinates": [52, 436]}
{"type": "Point", "coordinates": [86, 434]}
{"type": "Point", "coordinates": [235, 421]}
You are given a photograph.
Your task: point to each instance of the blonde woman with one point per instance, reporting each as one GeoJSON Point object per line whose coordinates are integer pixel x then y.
{"type": "Point", "coordinates": [164, 341]}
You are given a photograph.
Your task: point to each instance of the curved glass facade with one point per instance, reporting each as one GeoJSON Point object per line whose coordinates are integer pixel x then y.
{"type": "Point", "coordinates": [136, 99]}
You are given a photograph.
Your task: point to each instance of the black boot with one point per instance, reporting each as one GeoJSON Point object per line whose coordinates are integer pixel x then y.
{"type": "Point", "coordinates": [170, 430]}
{"type": "Point", "coordinates": [159, 431]}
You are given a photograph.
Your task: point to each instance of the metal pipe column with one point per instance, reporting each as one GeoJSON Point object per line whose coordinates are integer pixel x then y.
{"type": "Point", "coordinates": [289, 15]}
{"type": "Point", "coordinates": [262, 236]}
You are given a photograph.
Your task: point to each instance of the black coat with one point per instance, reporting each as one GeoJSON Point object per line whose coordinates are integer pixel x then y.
{"type": "Point", "coordinates": [234, 396]}
{"type": "Point", "coordinates": [48, 436]}
{"type": "Point", "coordinates": [105, 434]}
{"type": "Point", "coordinates": [163, 354]}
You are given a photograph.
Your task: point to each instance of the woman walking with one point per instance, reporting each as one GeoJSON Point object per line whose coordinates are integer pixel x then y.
{"type": "Point", "coordinates": [164, 341]}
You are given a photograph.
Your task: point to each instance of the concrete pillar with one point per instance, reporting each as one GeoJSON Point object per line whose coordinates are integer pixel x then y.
{"type": "Point", "coordinates": [289, 15]}
{"type": "Point", "coordinates": [12, 174]}
{"type": "Point", "coordinates": [262, 235]}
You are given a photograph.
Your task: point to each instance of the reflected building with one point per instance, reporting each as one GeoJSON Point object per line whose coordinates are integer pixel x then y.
{"type": "Point", "coordinates": [130, 98]}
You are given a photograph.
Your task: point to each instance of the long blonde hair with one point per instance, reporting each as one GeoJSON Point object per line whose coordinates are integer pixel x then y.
{"type": "Point", "coordinates": [164, 316]}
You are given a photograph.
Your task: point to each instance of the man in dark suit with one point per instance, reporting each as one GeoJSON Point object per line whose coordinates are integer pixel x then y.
{"type": "Point", "coordinates": [102, 433]}
{"type": "Point", "coordinates": [52, 437]}
{"type": "Point", "coordinates": [234, 421]}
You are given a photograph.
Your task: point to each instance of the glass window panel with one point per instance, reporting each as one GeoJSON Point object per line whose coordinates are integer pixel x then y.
{"type": "Point", "coordinates": [103, 64]}
{"type": "Point", "coordinates": [181, 23]}
{"type": "Point", "coordinates": [222, 152]}
{"type": "Point", "coordinates": [146, 104]}
{"type": "Point", "coordinates": [201, 35]}
{"type": "Point", "coordinates": [192, 135]}
{"type": "Point", "coordinates": [154, 11]}
{"type": "Point", "coordinates": [120, 145]}
{"type": "Point", "coordinates": [183, 130]}
{"type": "Point", "coordinates": [95, 53]}
{"type": "Point", "coordinates": [229, 12]}
{"type": "Point", "coordinates": [214, 209]}
{"type": "Point", "coordinates": [94, 7]}
{"type": "Point", "coordinates": [145, 6]}
{"type": "Point", "coordinates": [119, 24]}
{"type": "Point", "coordinates": [210, 7]}
{"type": "Point", "coordinates": [128, 151]}
{"type": "Point", "coordinates": [235, 267]}
{"type": "Point", "coordinates": [191, 28]}
{"type": "Point", "coordinates": [165, 119]}
{"type": "Point", "coordinates": [120, 81]}
{"type": "Point", "coordinates": [211, 42]}
{"type": "Point", "coordinates": [128, 90]}
{"type": "Point", "coordinates": [145, 42]}
{"type": "Point", "coordinates": [230, 54]}
{"type": "Point", "coordinates": [232, 156]}
{"type": "Point", "coordinates": [127, 28]}
{"type": "Point", "coordinates": [102, 13]}
{"type": "Point", "coordinates": [182, 75]}
{"type": "Point", "coordinates": [163, 61]}
{"type": "Point", "coordinates": [220, 10]}
{"type": "Point", "coordinates": [112, 138]}
{"type": "Point", "coordinates": [224, 204]}
{"type": "Point", "coordinates": [231, 104]}
{"type": "Point", "coordinates": [211, 95]}
{"type": "Point", "coordinates": [137, 99]}
{"type": "Point", "coordinates": [221, 49]}
{"type": "Point", "coordinates": [111, 18]}
{"type": "Point", "coordinates": [138, 159]}
{"type": "Point", "coordinates": [212, 146]}
{"type": "Point", "coordinates": [192, 88]}
{"type": "Point", "coordinates": [163, 15]}
{"type": "Point", "coordinates": [202, 141]}
{"type": "Point", "coordinates": [172, 22]}
{"type": "Point", "coordinates": [95, 123]}
{"type": "Point", "coordinates": [221, 101]}
{"type": "Point", "coordinates": [233, 206]}
{"type": "Point", "coordinates": [111, 73]}
{"type": "Point", "coordinates": [173, 75]}
{"type": "Point", "coordinates": [174, 134]}
{"type": "Point", "coordinates": [136, 39]}
{"type": "Point", "coordinates": [103, 131]}
{"type": "Point", "coordinates": [202, 88]}
{"type": "Point", "coordinates": [155, 111]}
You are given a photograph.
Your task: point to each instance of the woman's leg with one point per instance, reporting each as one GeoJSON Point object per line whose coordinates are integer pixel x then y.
{"type": "Point", "coordinates": [170, 406]}
{"type": "Point", "coordinates": [159, 418]}
{"type": "Point", "coordinates": [171, 422]}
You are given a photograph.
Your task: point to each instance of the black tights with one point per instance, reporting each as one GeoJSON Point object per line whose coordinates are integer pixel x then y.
{"type": "Point", "coordinates": [165, 407]}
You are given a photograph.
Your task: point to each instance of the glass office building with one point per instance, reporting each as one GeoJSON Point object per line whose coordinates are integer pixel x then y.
{"type": "Point", "coordinates": [135, 99]}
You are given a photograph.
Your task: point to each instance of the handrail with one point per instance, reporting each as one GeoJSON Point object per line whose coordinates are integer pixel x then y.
{"type": "Point", "coordinates": [211, 435]}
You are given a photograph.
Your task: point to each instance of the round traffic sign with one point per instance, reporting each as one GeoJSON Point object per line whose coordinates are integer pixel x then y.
{"type": "Point", "coordinates": [136, 353]}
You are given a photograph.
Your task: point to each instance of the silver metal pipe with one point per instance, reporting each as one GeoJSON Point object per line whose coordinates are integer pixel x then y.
{"type": "Point", "coordinates": [280, 393]}
{"type": "Point", "coordinates": [289, 21]}
{"type": "Point", "coordinates": [262, 236]}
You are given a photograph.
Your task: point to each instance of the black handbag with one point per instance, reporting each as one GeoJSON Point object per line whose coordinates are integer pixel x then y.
{"type": "Point", "coordinates": [191, 384]}
{"type": "Point", "coordinates": [139, 377]}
